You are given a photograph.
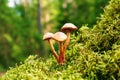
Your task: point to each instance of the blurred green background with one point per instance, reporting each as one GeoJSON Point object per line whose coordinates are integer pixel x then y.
{"type": "Point", "coordinates": [23, 23]}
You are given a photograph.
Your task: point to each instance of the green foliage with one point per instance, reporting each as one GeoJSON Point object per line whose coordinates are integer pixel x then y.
{"type": "Point", "coordinates": [79, 12]}
{"type": "Point", "coordinates": [105, 34]}
{"type": "Point", "coordinates": [19, 34]}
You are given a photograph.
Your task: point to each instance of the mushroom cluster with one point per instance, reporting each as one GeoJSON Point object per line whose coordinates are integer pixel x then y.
{"type": "Point", "coordinates": [63, 40]}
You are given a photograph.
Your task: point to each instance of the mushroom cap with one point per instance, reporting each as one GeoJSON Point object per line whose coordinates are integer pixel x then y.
{"type": "Point", "coordinates": [68, 27]}
{"type": "Point", "coordinates": [60, 36]}
{"type": "Point", "coordinates": [47, 36]}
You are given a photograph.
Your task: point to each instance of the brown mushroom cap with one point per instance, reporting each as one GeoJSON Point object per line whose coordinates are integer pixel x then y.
{"type": "Point", "coordinates": [60, 36]}
{"type": "Point", "coordinates": [68, 27]}
{"type": "Point", "coordinates": [47, 36]}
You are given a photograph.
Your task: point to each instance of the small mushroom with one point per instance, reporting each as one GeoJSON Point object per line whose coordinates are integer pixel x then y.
{"type": "Point", "coordinates": [60, 37]}
{"type": "Point", "coordinates": [48, 36]}
{"type": "Point", "coordinates": [68, 27]}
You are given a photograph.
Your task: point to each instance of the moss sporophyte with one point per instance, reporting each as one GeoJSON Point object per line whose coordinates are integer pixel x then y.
{"type": "Point", "coordinates": [61, 38]}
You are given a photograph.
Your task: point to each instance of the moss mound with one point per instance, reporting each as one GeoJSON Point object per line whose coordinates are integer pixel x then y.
{"type": "Point", "coordinates": [94, 54]}
{"type": "Point", "coordinates": [89, 66]}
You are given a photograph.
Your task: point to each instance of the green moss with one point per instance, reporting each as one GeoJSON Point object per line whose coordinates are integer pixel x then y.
{"type": "Point", "coordinates": [107, 30]}
{"type": "Point", "coordinates": [93, 54]}
{"type": "Point", "coordinates": [87, 65]}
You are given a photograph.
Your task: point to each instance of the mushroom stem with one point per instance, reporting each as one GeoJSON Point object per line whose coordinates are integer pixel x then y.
{"type": "Point", "coordinates": [66, 45]}
{"type": "Point", "coordinates": [67, 41]}
{"type": "Point", "coordinates": [61, 53]}
{"type": "Point", "coordinates": [53, 51]}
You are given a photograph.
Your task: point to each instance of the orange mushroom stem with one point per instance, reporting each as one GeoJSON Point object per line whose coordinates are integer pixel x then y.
{"type": "Point", "coordinates": [67, 41]}
{"type": "Point", "coordinates": [61, 53]}
{"type": "Point", "coordinates": [53, 51]}
{"type": "Point", "coordinates": [60, 37]}
{"type": "Point", "coordinates": [65, 46]}
{"type": "Point", "coordinates": [68, 27]}
{"type": "Point", "coordinates": [48, 36]}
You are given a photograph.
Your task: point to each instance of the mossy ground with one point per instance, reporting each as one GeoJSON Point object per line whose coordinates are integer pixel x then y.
{"type": "Point", "coordinates": [93, 54]}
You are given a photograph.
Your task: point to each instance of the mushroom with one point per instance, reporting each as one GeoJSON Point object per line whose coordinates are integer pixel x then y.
{"type": "Point", "coordinates": [68, 27]}
{"type": "Point", "coordinates": [60, 37]}
{"type": "Point", "coordinates": [48, 36]}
